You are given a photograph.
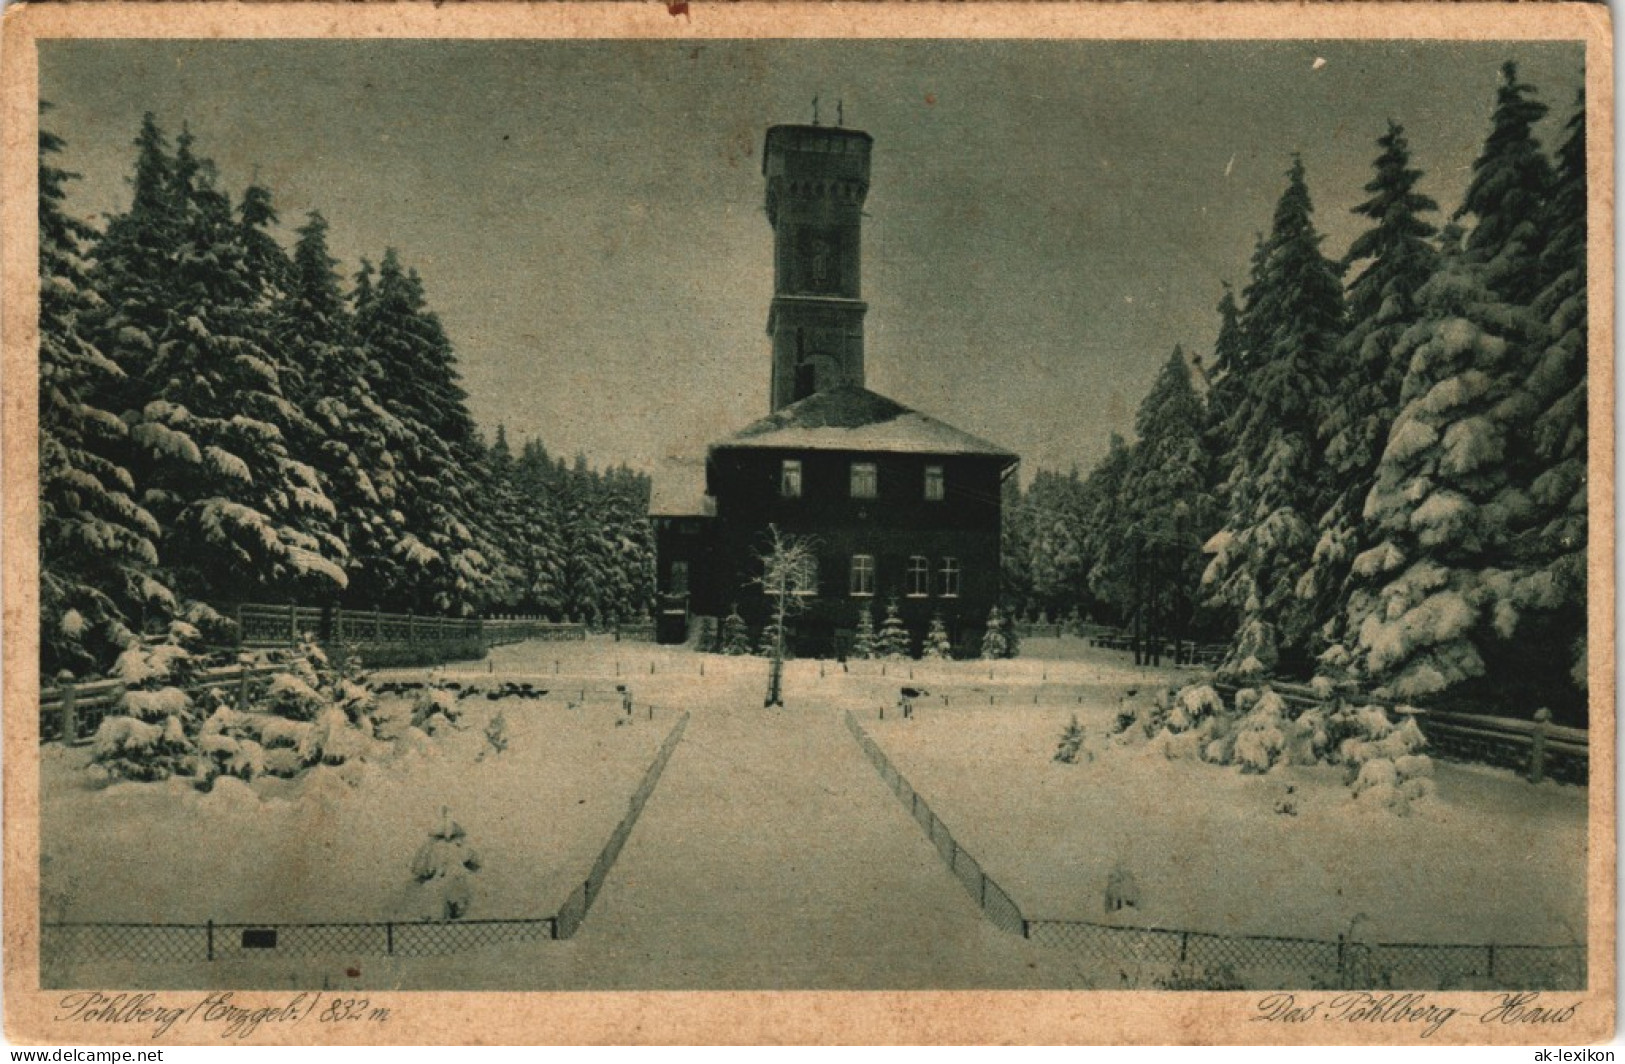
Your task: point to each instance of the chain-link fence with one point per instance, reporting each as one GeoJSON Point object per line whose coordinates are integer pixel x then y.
{"type": "Point", "coordinates": [993, 900]}
{"type": "Point", "coordinates": [1257, 962]}
{"type": "Point", "coordinates": [74, 943]}
{"type": "Point", "coordinates": [580, 900]}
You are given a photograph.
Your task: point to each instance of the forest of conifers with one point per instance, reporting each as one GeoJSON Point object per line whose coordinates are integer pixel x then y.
{"type": "Point", "coordinates": [1377, 478]}
{"type": "Point", "coordinates": [223, 420]}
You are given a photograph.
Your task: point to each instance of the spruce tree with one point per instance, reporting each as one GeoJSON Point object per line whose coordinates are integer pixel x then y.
{"type": "Point", "coordinates": [1394, 260]}
{"type": "Point", "coordinates": [1105, 531]}
{"type": "Point", "coordinates": [1290, 328]}
{"type": "Point", "coordinates": [1057, 558]}
{"type": "Point", "coordinates": [1475, 586]}
{"type": "Point", "coordinates": [994, 641]}
{"type": "Point", "coordinates": [349, 437]}
{"type": "Point", "coordinates": [735, 636]}
{"type": "Point", "coordinates": [863, 639]}
{"type": "Point", "coordinates": [1168, 509]}
{"type": "Point", "coordinates": [443, 556]}
{"type": "Point", "coordinates": [1512, 181]}
{"type": "Point", "coordinates": [241, 516]}
{"type": "Point", "coordinates": [1555, 543]}
{"type": "Point", "coordinates": [98, 547]}
{"type": "Point", "coordinates": [938, 647]}
{"type": "Point", "coordinates": [893, 640]}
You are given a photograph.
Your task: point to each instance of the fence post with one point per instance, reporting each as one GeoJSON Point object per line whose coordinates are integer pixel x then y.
{"type": "Point", "coordinates": [377, 625]}
{"type": "Point", "coordinates": [241, 633]}
{"type": "Point", "coordinates": [1342, 962]}
{"type": "Point", "coordinates": [1537, 745]}
{"type": "Point", "coordinates": [293, 625]}
{"type": "Point", "coordinates": [70, 715]}
{"type": "Point", "coordinates": [1491, 949]}
{"type": "Point", "coordinates": [1184, 945]}
{"type": "Point", "coordinates": [210, 927]}
{"type": "Point", "coordinates": [411, 628]}
{"type": "Point", "coordinates": [389, 938]}
{"type": "Point", "coordinates": [242, 689]}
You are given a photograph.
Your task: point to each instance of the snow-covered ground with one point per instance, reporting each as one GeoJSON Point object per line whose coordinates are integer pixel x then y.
{"type": "Point", "coordinates": [771, 854]}
{"type": "Point", "coordinates": [336, 844]}
{"type": "Point", "coordinates": [1488, 858]}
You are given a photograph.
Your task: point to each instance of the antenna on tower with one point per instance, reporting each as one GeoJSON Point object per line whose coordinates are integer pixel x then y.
{"type": "Point", "coordinates": [815, 110]}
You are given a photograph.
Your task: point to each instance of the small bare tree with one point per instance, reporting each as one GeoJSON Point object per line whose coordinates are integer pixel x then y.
{"type": "Point", "coordinates": [789, 569]}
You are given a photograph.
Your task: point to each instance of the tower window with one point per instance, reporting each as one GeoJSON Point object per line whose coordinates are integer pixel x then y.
{"type": "Point", "coordinates": [790, 479]}
{"type": "Point", "coordinates": [934, 483]}
{"type": "Point", "coordinates": [949, 576]}
{"type": "Point", "coordinates": [863, 574]}
{"type": "Point", "coordinates": [864, 480]}
{"type": "Point", "coordinates": [919, 577]}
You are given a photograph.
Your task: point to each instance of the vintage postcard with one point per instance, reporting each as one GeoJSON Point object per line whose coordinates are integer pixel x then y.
{"type": "Point", "coordinates": [808, 523]}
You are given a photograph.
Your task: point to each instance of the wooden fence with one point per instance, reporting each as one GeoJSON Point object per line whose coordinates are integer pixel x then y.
{"type": "Point", "coordinates": [281, 626]}
{"type": "Point", "coordinates": [73, 712]}
{"type": "Point", "coordinates": [1535, 748]}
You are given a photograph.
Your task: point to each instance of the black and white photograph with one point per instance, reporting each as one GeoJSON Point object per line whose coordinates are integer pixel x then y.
{"type": "Point", "coordinates": [752, 513]}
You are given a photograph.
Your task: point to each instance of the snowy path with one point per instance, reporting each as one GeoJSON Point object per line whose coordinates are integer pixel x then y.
{"type": "Point", "coordinates": [772, 856]}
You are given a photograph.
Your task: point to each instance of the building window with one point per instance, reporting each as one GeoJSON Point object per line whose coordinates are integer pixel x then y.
{"type": "Point", "coordinates": [790, 479]}
{"type": "Point", "coordinates": [863, 480]}
{"type": "Point", "coordinates": [863, 574]}
{"type": "Point", "coordinates": [950, 577]}
{"type": "Point", "coordinates": [933, 483]}
{"type": "Point", "coordinates": [806, 578]}
{"type": "Point", "coordinates": [679, 578]}
{"type": "Point", "coordinates": [919, 577]}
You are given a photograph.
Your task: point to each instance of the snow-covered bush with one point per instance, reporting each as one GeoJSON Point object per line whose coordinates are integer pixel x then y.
{"type": "Point", "coordinates": [496, 736]}
{"type": "Point", "coordinates": [150, 734]}
{"type": "Point", "coordinates": [1070, 749]}
{"type": "Point", "coordinates": [443, 866]}
{"type": "Point", "coordinates": [1260, 732]}
{"type": "Point", "coordinates": [436, 709]}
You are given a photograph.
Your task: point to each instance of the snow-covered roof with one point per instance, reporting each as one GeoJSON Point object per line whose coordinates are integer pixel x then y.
{"type": "Point", "coordinates": [850, 418]}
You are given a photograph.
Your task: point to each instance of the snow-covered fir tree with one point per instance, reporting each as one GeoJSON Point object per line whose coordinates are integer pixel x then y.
{"type": "Point", "coordinates": [734, 639]}
{"type": "Point", "coordinates": [863, 637]}
{"type": "Point", "coordinates": [1393, 260]}
{"type": "Point", "coordinates": [1507, 197]}
{"type": "Point", "coordinates": [350, 438]}
{"type": "Point", "coordinates": [1440, 598]}
{"type": "Point", "coordinates": [893, 640]}
{"type": "Point", "coordinates": [995, 641]}
{"type": "Point", "coordinates": [98, 552]}
{"type": "Point", "coordinates": [1290, 327]}
{"type": "Point", "coordinates": [209, 421]}
{"type": "Point", "coordinates": [1556, 542]}
{"type": "Point", "coordinates": [445, 556]}
{"type": "Point", "coordinates": [1169, 511]}
{"type": "Point", "coordinates": [938, 647]}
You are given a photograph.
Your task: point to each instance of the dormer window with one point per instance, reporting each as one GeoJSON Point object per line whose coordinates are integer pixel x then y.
{"type": "Point", "coordinates": [790, 479]}
{"type": "Point", "coordinates": [934, 483]}
{"type": "Point", "coordinates": [865, 480]}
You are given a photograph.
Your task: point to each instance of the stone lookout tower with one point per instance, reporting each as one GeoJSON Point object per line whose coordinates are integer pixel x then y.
{"type": "Point", "coordinates": [817, 180]}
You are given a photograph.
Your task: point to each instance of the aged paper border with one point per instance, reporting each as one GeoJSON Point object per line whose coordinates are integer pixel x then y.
{"type": "Point", "coordinates": [960, 1017]}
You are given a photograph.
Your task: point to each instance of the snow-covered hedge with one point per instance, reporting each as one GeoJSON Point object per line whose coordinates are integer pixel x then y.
{"type": "Point", "coordinates": [1261, 732]}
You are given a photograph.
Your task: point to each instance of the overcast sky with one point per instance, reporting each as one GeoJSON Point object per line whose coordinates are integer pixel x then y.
{"type": "Point", "coordinates": [1045, 220]}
